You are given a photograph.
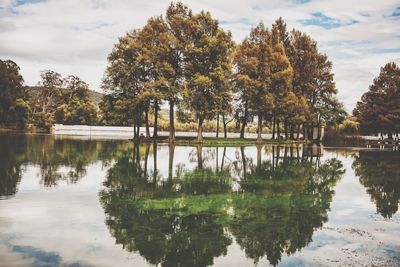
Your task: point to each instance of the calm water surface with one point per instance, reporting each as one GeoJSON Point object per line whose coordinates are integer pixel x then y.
{"type": "Point", "coordinates": [68, 202]}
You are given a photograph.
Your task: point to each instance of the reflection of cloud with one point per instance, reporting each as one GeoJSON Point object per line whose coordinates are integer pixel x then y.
{"type": "Point", "coordinates": [41, 257]}
{"type": "Point", "coordinates": [75, 36]}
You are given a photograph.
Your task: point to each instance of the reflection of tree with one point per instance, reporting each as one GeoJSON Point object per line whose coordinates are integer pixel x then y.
{"type": "Point", "coordinates": [290, 199]}
{"type": "Point", "coordinates": [57, 159]}
{"type": "Point", "coordinates": [181, 221]}
{"type": "Point", "coordinates": [379, 172]}
{"type": "Point", "coordinates": [11, 150]}
{"type": "Point", "coordinates": [164, 234]}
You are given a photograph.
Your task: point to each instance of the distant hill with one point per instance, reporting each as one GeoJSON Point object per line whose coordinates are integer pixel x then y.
{"type": "Point", "coordinates": [96, 97]}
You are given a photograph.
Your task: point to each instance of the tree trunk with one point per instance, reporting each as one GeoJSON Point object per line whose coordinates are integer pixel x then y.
{"type": "Point", "coordinates": [217, 126]}
{"type": "Point", "coordinates": [273, 128]}
{"type": "Point", "coordinates": [224, 122]}
{"type": "Point", "coordinates": [200, 156]}
{"type": "Point", "coordinates": [259, 156]}
{"type": "Point", "coordinates": [200, 130]}
{"type": "Point", "coordinates": [155, 126]}
{"type": "Point", "coordinates": [278, 130]}
{"type": "Point", "coordinates": [259, 129]}
{"type": "Point", "coordinates": [134, 130]}
{"type": "Point", "coordinates": [243, 122]}
{"type": "Point", "coordinates": [138, 128]}
{"type": "Point", "coordinates": [319, 130]}
{"type": "Point", "coordinates": [216, 159]}
{"type": "Point", "coordinates": [292, 132]}
{"type": "Point", "coordinates": [146, 157]}
{"type": "Point", "coordinates": [171, 161]}
{"type": "Point", "coordinates": [304, 131]}
{"type": "Point", "coordinates": [223, 159]}
{"type": "Point", "coordinates": [311, 132]}
{"type": "Point", "coordinates": [147, 123]}
{"type": "Point", "coordinates": [155, 171]}
{"type": "Point", "coordinates": [298, 132]}
{"type": "Point", "coordinates": [243, 161]}
{"type": "Point", "coordinates": [286, 130]}
{"type": "Point", "coordinates": [171, 137]}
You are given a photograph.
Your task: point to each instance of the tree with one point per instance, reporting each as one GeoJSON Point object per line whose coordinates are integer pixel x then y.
{"type": "Point", "coordinates": [253, 75]}
{"type": "Point", "coordinates": [45, 98]}
{"type": "Point", "coordinates": [156, 67]}
{"type": "Point", "coordinates": [20, 112]}
{"type": "Point", "coordinates": [77, 108]}
{"type": "Point", "coordinates": [50, 93]}
{"type": "Point", "coordinates": [208, 68]}
{"type": "Point", "coordinates": [123, 79]}
{"type": "Point", "coordinates": [11, 88]}
{"type": "Point", "coordinates": [281, 82]}
{"type": "Point", "coordinates": [179, 23]}
{"type": "Point", "coordinates": [379, 108]}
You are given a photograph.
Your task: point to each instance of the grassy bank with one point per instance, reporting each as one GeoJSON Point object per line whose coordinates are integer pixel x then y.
{"type": "Point", "coordinates": [220, 141]}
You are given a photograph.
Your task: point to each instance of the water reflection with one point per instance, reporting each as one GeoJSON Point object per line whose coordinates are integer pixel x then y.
{"type": "Point", "coordinates": [270, 205]}
{"type": "Point", "coordinates": [185, 206]}
{"type": "Point", "coordinates": [379, 173]}
{"type": "Point", "coordinates": [58, 159]}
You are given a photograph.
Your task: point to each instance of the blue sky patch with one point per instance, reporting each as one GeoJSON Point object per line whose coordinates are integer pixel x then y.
{"type": "Point", "coordinates": [24, 2]}
{"type": "Point", "coordinates": [301, 1]}
{"type": "Point", "coordinates": [319, 19]}
{"type": "Point", "coordinates": [244, 21]}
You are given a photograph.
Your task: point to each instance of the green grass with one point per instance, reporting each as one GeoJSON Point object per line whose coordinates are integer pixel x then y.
{"type": "Point", "coordinates": [220, 141]}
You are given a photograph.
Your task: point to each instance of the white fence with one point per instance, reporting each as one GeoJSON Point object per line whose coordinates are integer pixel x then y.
{"type": "Point", "coordinates": [107, 131]}
{"type": "Point", "coordinates": [119, 132]}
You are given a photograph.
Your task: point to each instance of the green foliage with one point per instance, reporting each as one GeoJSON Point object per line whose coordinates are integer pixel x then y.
{"type": "Point", "coordinates": [77, 107]}
{"type": "Point", "coordinates": [43, 120]}
{"type": "Point", "coordinates": [350, 126]}
{"type": "Point", "coordinates": [11, 89]}
{"type": "Point", "coordinates": [20, 113]}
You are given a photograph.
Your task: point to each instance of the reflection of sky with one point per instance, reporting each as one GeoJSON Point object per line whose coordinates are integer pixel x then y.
{"type": "Point", "coordinates": [65, 224]}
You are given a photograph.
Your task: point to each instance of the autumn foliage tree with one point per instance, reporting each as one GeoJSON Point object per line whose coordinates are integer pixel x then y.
{"type": "Point", "coordinates": [186, 60]}
{"type": "Point", "coordinates": [379, 108]}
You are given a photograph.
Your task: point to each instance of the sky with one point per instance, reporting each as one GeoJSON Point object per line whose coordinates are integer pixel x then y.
{"type": "Point", "coordinates": [75, 36]}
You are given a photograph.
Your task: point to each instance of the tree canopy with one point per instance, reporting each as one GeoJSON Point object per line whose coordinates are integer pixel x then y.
{"type": "Point", "coordinates": [187, 60]}
{"type": "Point", "coordinates": [379, 108]}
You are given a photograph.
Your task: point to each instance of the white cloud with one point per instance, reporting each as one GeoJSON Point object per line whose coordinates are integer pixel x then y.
{"type": "Point", "coordinates": [75, 36]}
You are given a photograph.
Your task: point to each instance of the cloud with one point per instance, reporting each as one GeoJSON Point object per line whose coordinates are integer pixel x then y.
{"type": "Point", "coordinates": [75, 36]}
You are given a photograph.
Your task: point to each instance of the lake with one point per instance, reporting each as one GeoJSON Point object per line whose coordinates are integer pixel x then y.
{"type": "Point", "coordinates": [76, 202]}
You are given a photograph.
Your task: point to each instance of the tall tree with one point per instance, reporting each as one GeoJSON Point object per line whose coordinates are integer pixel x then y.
{"type": "Point", "coordinates": [207, 68]}
{"type": "Point", "coordinates": [253, 76]}
{"type": "Point", "coordinates": [179, 23]}
{"type": "Point", "coordinates": [281, 81]}
{"type": "Point", "coordinates": [123, 78]}
{"type": "Point", "coordinates": [156, 67]}
{"type": "Point", "coordinates": [11, 88]}
{"type": "Point", "coordinates": [379, 108]}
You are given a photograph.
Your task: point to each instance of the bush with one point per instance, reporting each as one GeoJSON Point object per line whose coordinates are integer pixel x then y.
{"type": "Point", "coordinates": [43, 120]}
{"type": "Point", "coordinates": [20, 112]}
{"type": "Point", "coordinates": [350, 126]}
